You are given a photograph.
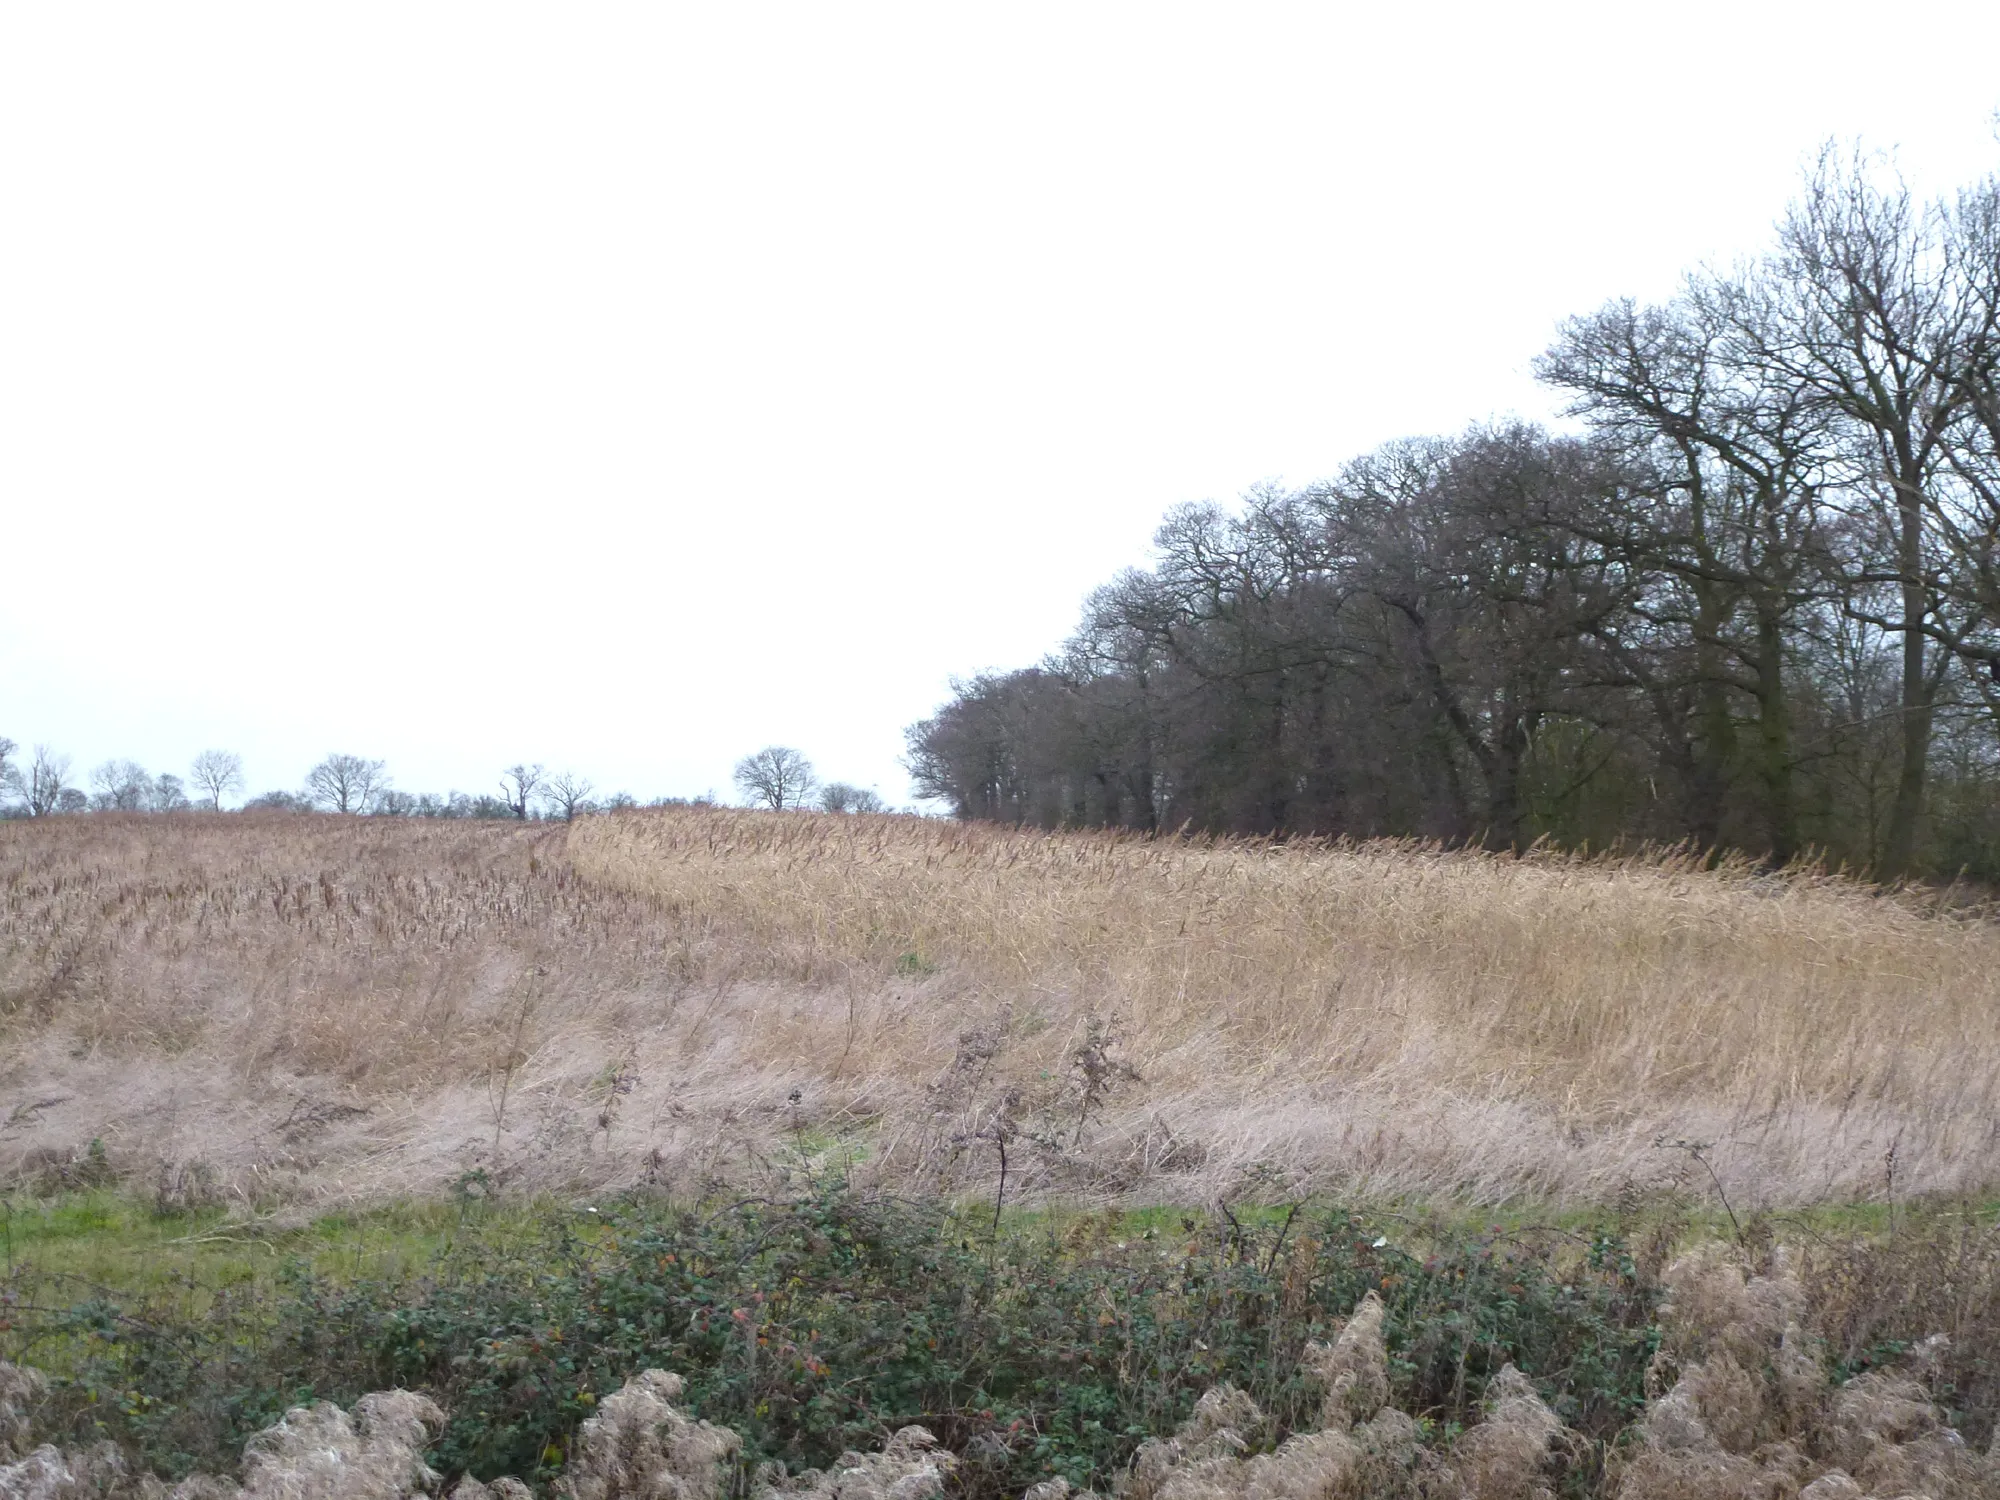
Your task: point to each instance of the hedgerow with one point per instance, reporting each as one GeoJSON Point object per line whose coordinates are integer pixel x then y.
{"type": "Point", "coordinates": [821, 1322]}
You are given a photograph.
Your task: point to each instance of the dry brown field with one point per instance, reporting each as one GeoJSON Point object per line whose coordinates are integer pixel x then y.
{"type": "Point", "coordinates": [311, 1010]}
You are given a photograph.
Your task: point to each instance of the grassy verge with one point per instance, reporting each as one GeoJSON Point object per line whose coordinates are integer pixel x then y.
{"type": "Point", "coordinates": [121, 1244]}
{"type": "Point", "coordinates": [113, 1244]}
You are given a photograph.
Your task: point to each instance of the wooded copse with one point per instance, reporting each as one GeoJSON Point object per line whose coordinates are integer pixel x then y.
{"type": "Point", "coordinates": [1753, 601]}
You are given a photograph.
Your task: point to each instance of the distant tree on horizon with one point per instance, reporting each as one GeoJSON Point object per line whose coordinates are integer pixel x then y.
{"type": "Point", "coordinates": [215, 774]}
{"type": "Point", "coordinates": [121, 786]}
{"type": "Point", "coordinates": [42, 783]}
{"type": "Point", "coordinates": [776, 777]}
{"type": "Point", "coordinates": [347, 783]}
{"type": "Point", "coordinates": [519, 783]}
{"type": "Point", "coordinates": [843, 797]}
{"type": "Point", "coordinates": [567, 795]}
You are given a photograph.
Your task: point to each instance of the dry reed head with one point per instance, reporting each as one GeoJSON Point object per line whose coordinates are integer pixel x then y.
{"type": "Point", "coordinates": [669, 993]}
{"type": "Point", "coordinates": [910, 1466]}
{"type": "Point", "coordinates": [1354, 1369]}
{"type": "Point", "coordinates": [641, 1446]}
{"type": "Point", "coordinates": [1518, 1451]}
{"type": "Point", "coordinates": [21, 1390]}
{"type": "Point", "coordinates": [320, 1452]}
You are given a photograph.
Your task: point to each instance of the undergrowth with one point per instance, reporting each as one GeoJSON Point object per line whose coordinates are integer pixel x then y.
{"type": "Point", "coordinates": [822, 1321]}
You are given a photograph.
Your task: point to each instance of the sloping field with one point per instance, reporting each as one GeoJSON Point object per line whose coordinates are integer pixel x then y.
{"type": "Point", "coordinates": [328, 1009]}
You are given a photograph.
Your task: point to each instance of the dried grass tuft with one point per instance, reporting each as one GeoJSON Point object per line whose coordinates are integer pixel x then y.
{"type": "Point", "coordinates": [1208, 1458]}
{"type": "Point", "coordinates": [1311, 1466]}
{"type": "Point", "coordinates": [910, 1466]}
{"type": "Point", "coordinates": [1222, 1425]}
{"type": "Point", "coordinates": [1883, 1408]}
{"type": "Point", "coordinates": [21, 1391]}
{"type": "Point", "coordinates": [1937, 1465]}
{"type": "Point", "coordinates": [323, 1453]}
{"type": "Point", "coordinates": [1753, 1416]}
{"type": "Point", "coordinates": [96, 1474]}
{"type": "Point", "coordinates": [1715, 1306]}
{"type": "Point", "coordinates": [47, 1473]}
{"type": "Point", "coordinates": [1355, 1370]}
{"type": "Point", "coordinates": [1519, 1452]}
{"type": "Point", "coordinates": [504, 1488]}
{"type": "Point", "coordinates": [640, 1446]}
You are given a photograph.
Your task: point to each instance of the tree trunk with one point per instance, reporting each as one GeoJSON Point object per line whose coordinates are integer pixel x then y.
{"type": "Point", "coordinates": [1774, 736]}
{"type": "Point", "coordinates": [1715, 746]}
{"type": "Point", "coordinates": [1906, 813]}
{"type": "Point", "coordinates": [1504, 813]}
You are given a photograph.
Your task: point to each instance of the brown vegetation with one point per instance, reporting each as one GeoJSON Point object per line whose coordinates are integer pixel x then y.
{"type": "Point", "coordinates": [328, 1008]}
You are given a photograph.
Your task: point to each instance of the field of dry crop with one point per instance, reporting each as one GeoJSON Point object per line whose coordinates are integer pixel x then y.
{"type": "Point", "coordinates": [314, 1010]}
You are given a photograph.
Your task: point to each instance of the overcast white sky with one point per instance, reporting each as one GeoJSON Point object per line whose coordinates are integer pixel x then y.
{"type": "Point", "coordinates": [629, 386]}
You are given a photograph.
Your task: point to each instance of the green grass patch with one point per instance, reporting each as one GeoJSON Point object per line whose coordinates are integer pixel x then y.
{"type": "Point", "coordinates": [108, 1244]}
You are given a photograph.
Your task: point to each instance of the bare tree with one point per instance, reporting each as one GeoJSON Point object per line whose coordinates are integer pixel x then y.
{"type": "Point", "coordinates": [167, 794]}
{"type": "Point", "coordinates": [567, 794]}
{"type": "Point", "coordinates": [519, 783]}
{"type": "Point", "coordinates": [347, 783]}
{"type": "Point", "coordinates": [1876, 313]}
{"type": "Point", "coordinates": [42, 783]}
{"type": "Point", "coordinates": [215, 774]}
{"type": "Point", "coordinates": [1719, 519]}
{"type": "Point", "coordinates": [121, 786]}
{"type": "Point", "coordinates": [1969, 521]}
{"type": "Point", "coordinates": [776, 777]}
{"type": "Point", "coordinates": [841, 797]}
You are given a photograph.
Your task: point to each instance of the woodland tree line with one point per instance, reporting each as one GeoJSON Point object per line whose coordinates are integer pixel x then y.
{"type": "Point", "coordinates": [1752, 601]}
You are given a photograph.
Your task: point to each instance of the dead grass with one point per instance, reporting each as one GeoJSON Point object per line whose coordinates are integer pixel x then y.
{"type": "Point", "coordinates": [325, 1008]}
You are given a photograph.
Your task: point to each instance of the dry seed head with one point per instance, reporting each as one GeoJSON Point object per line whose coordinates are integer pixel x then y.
{"type": "Point", "coordinates": [21, 1391]}
{"type": "Point", "coordinates": [1355, 1370]}
{"type": "Point", "coordinates": [1517, 1450]}
{"type": "Point", "coordinates": [640, 1446]}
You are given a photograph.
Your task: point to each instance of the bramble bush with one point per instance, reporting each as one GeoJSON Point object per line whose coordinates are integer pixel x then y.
{"type": "Point", "coordinates": [823, 1321]}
